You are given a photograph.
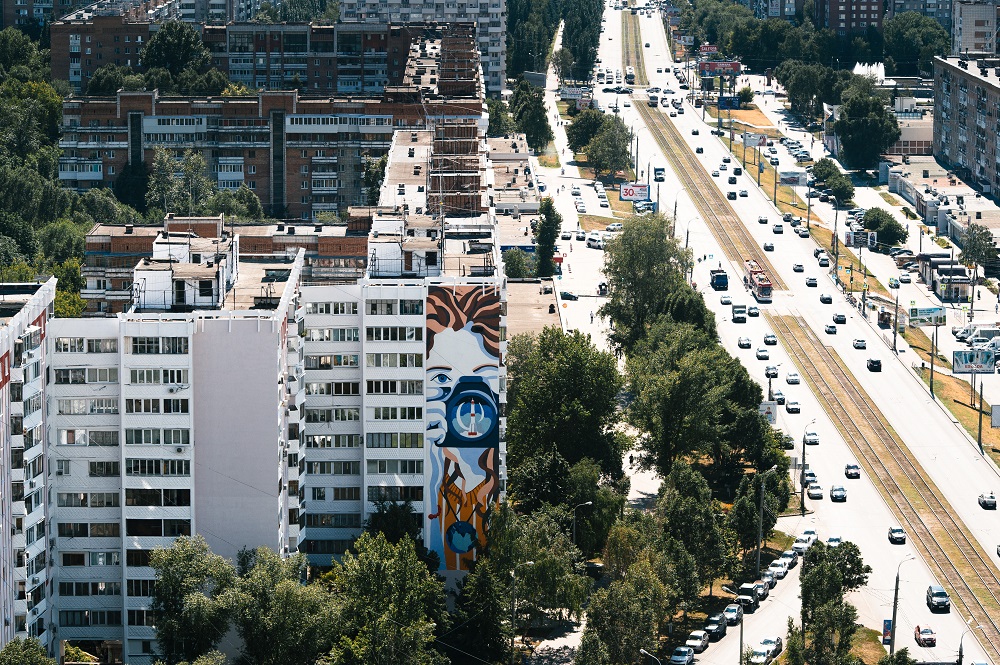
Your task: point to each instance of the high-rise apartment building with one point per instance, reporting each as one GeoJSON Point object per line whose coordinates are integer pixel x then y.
{"type": "Point", "coordinates": [974, 28]}
{"type": "Point", "coordinates": [939, 10]}
{"type": "Point", "coordinates": [966, 124]}
{"type": "Point", "coordinates": [849, 16]}
{"type": "Point", "coordinates": [25, 311]}
{"type": "Point", "coordinates": [178, 416]}
{"type": "Point", "coordinates": [490, 17]}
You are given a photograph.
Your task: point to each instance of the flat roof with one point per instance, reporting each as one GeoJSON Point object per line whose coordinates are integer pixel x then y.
{"type": "Point", "coordinates": [14, 296]}
{"type": "Point", "coordinates": [528, 307]}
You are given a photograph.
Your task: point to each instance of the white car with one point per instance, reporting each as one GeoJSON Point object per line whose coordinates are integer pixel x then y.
{"type": "Point", "coordinates": [763, 354]}
{"type": "Point", "coordinates": [811, 535]}
{"type": "Point", "coordinates": [904, 278]}
{"type": "Point", "coordinates": [790, 558]}
{"type": "Point", "coordinates": [774, 644]}
{"type": "Point", "coordinates": [778, 569]}
{"type": "Point", "coordinates": [698, 641]}
{"type": "Point", "coordinates": [834, 541]}
{"type": "Point", "coordinates": [860, 344]}
{"type": "Point", "coordinates": [760, 656]}
{"type": "Point", "coordinates": [726, 300]}
{"type": "Point", "coordinates": [801, 544]}
{"type": "Point", "coordinates": [815, 491]}
{"type": "Point", "coordinates": [792, 377]}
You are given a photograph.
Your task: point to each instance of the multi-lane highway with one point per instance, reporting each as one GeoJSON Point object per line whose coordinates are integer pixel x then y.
{"type": "Point", "coordinates": [918, 469]}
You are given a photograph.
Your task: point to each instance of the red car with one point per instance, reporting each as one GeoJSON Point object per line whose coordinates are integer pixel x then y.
{"type": "Point", "coordinates": [925, 636]}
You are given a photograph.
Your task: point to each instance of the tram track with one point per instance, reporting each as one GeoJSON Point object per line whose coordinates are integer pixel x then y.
{"type": "Point", "coordinates": [953, 554]}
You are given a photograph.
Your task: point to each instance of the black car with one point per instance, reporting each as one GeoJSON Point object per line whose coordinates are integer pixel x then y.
{"type": "Point", "coordinates": [839, 318]}
{"type": "Point", "coordinates": [566, 295]}
{"type": "Point", "coordinates": [731, 196]}
{"type": "Point", "coordinates": [874, 365]}
{"type": "Point", "coordinates": [737, 170]}
{"type": "Point", "coordinates": [699, 150]}
{"type": "Point", "coordinates": [715, 626]}
{"type": "Point", "coordinates": [826, 299]}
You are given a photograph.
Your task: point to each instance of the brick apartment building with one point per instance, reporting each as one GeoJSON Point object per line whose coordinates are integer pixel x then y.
{"type": "Point", "coordinates": [849, 16]}
{"type": "Point", "coordinates": [302, 155]}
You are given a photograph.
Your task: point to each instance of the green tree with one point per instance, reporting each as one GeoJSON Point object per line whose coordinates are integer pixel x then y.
{"type": "Point", "coordinates": [194, 181]}
{"type": "Point", "coordinates": [235, 89]}
{"type": "Point", "coordinates": [609, 149]}
{"type": "Point", "coordinates": [892, 232]}
{"type": "Point", "coordinates": [841, 187]}
{"type": "Point", "coordinates": [501, 121]}
{"type": "Point", "coordinates": [978, 247]}
{"type": "Point", "coordinates": [176, 46]}
{"type": "Point", "coordinates": [163, 189]}
{"type": "Point", "coordinates": [645, 270]}
{"type": "Point", "coordinates": [625, 616]}
{"type": "Point", "coordinates": [9, 251]}
{"type": "Point", "coordinates": [131, 185]}
{"type": "Point", "coordinates": [592, 650]}
{"type": "Point", "coordinates": [252, 208]}
{"type": "Point", "coordinates": [21, 651]}
{"type": "Point", "coordinates": [825, 169]}
{"type": "Point", "coordinates": [912, 40]}
{"type": "Point", "coordinates": [875, 218]}
{"type": "Point", "coordinates": [866, 128]}
{"type": "Point", "coordinates": [189, 598]}
{"type": "Point", "coordinates": [901, 657]}
{"type": "Point", "coordinates": [62, 240]}
{"type": "Point", "coordinates": [528, 107]}
{"type": "Point", "coordinates": [69, 305]}
{"type": "Point", "coordinates": [482, 613]}
{"type": "Point", "coordinates": [516, 264]}
{"type": "Point", "coordinates": [280, 620]}
{"type": "Point", "coordinates": [562, 62]}
{"type": "Point", "coordinates": [550, 221]}
{"type": "Point", "coordinates": [210, 658]}
{"type": "Point", "coordinates": [552, 409]}
{"type": "Point", "coordinates": [584, 128]}
{"type": "Point", "coordinates": [397, 520]}
{"type": "Point", "coordinates": [374, 176]}
{"type": "Point", "coordinates": [388, 605]}
{"type": "Point", "coordinates": [745, 96]}
{"type": "Point", "coordinates": [107, 80]}
{"type": "Point", "coordinates": [551, 585]}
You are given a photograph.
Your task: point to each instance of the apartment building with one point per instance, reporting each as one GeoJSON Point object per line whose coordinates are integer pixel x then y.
{"type": "Point", "coordinates": [966, 119]}
{"type": "Point", "coordinates": [178, 416]}
{"type": "Point", "coordinates": [25, 311]}
{"type": "Point", "coordinates": [939, 10]}
{"type": "Point", "coordinates": [974, 28]}
{"type": "Point", "coordinates": [849, 16]}
{"type": "Point", "coordinates": [303, 156]}
{"type": "Point", "coordinates": [489, 16]}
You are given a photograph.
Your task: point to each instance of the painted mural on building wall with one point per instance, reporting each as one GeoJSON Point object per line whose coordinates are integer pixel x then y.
{"type": "Point", "coordinates": [463, 419]}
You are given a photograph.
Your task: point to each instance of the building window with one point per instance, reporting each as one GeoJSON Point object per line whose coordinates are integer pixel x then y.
{"type": "Point", "coordinates": [104, 469]}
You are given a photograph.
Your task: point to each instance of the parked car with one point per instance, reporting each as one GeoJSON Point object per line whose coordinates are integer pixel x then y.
{"type": "Point", "coordinates": [791, 559]}
{"type": "Point", "coordinates": [733, 614]}
{"type": "Point", "coordinates": [834, 541]}
{"type": "Point", "coordinates": [896, 535]}
{"type": "Point", "coordinates": [760, 656]}
{"type": "Point", "coordinates": [801, 544]}
{"type": "Point", "coordinates": [566, 295]}
{"type": "Point", "coordinates": [815, 491]}
{"type": "Point", "coordinates": [715, 626]}
{"type": "Point", "coordinates": [937, 598]}
{"type": "Point", "coordinates": [988, 501]}
{"type": "Point", "coordinates": [774, 644]}
{"type": "Point", "coordinates": [682, 656]}
{"type": "Point", "coordinates": [925, 636]}
{"type": "Point", "coordinates": [698, 640]}
{"type": "Point", "coordinates": [778, 568]}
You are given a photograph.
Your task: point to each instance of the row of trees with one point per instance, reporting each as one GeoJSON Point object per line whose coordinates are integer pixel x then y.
{"type": "Point", "coordinates": [604, 138]}
{"type": "Point", "coordinates": [907, 44]}
{"type": "Point", "coordinates": [531, 28]}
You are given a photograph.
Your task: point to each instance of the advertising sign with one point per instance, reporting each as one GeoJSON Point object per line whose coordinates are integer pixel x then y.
{"type": "Point", "coordinates": [635, 191]}
{"type": "Point", "coordinates": [685, 40]}
{"type": "Point", "coordinates": [708, 48]}
{"type": "Point", "coordinates": [886, 631]}
{"type": "Point", "coordinates": [770, 411]}
{"type": "Point", "coordinates": [754, 140]}
{"type": "Point", "coordinates": [729, 102]}
{"type": "Point", "coordinates": [719, 67]}
{"type": "Point", "coordinates": [794, 178]}
{"type": "Point", "coordinates": [927, 316]}
{"type": "Point", "coordinates": [973, 361]}
{"type": "Point", "coordinates": [570, 93]}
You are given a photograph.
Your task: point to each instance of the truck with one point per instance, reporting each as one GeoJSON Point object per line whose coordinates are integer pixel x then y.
{"type": "Point", "coordinates": [659, 174]}
{"type": "Point", "coordinates": [653, 100]}
{"type": "Point", "coordinates": [963, 333]}
{"type": "Point", "coordinates": [719, 279]}
{"type": "Point", "coordinates": [739, 313]}
{"type": "Point", "coordinates": [982, 334]}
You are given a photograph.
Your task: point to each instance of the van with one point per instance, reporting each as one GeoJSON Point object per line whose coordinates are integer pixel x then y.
{"type": "Point", "coordinates": [986, 333]}
{"type": "Point", "coordinates": [992, 345]}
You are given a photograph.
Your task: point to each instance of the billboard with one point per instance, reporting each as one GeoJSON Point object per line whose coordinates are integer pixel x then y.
{"type": "Point", "coordinates": [462, 409]}
{"type": "Point", "coordinates": [794, 178]}
{"type": "Point", "coordinates": [719, 67]}
{"type": "Point", "coordinates": [635, 191]}
{"type": "Point", "coordinates": [729, 102]}
{"type": "Point", "coordinates": [927, 316]}
{"type": "Point", "coordinates": [708, 48]}
{"type": "Point", "coordinates": [754, 140]}
{"type": "Point", "coordinates": [570, 93]}
{"type": "Point", "coordinates": [973, 361]}
{"type": "Point", "coordinates": [861, 238]}
{"type": "Point", "coordinates": [770, 411]}
{"type": "Point", "coordinates": [685, 40]}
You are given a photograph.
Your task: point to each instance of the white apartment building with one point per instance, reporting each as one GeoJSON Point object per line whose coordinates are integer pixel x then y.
{"type": "Point", "coordinates": [490, 17]}
{"type": "Point", "coordinates": [176, 417]}
{"type": "Point", "coordinates": [25, 310]}
{"type": "Point", "coordinates": [405, 373]}
{"type": "Point", "coordinates": [974, 28]}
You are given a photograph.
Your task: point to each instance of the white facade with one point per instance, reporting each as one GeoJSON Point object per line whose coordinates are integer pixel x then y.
{"type": "Point", "coordinates": [25, 310]}
{"type": "Point", "coordinates": [490, 17]}
{"type": "Point", "coordinates": [165, 422]}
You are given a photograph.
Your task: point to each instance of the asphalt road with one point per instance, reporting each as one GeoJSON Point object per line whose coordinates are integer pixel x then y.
{"type": "Point", "coordinates": [944, 451]}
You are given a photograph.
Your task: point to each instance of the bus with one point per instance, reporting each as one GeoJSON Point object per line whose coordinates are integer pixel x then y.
{"type": "Point", "coordinates": [630, 75]}
{"type": "Point", "coordinates": [757, 281]}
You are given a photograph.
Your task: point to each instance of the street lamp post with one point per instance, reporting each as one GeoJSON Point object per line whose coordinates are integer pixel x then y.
{"type": "Point", "coordinates": [513, 605]}
{"type": "Point", "coordinates": [770, 395]}
{"type": "Point", "coordinates": [760, 516]}
{"type": "Point", "coordinates": [802, 476]}
{"type": "Point", "coordinates": [836, 244]}
{"type": "Point", "coordinates": [728, 590]}
{"type": "Point", "coordinates": [895, 322]}
{"type": "Point", "coordinates": [961, 640]}
{"type": "Point", "coordinates": [676, 198]}
{"type": "Point", "coordinates": [585, 503]}
{"type": "Point", "coordinates": [895, 606]}
{"type": "Point", "coordinates": [649, 655]}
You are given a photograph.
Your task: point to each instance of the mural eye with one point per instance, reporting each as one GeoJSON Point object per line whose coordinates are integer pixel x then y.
{"type": "Point", "coordinates": [440, 378]}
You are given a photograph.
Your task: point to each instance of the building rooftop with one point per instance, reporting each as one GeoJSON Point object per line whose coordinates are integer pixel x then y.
{"type": "Point", "coordinates": [14, 296]}
{"type": "Point", "coordinates": [986, 70]}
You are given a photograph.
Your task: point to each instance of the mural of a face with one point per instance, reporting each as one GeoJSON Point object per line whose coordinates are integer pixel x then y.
{"type": "Point", "coordinates": [462, 382]}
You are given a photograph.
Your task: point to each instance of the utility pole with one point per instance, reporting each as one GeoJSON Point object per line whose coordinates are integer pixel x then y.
{"type": "Point", "coordinates": [895, 606]}
{"type": "Point", "coordinates": [933, 353]}
{"type": "Point", "coordinates": [979, 436]}
{"type": "Point", "coordinates": [836, 245]}
{"type": "Point", "coordinates": [760, 517]}
{"type": "Point", "coordinates": [802, 476]}
{"type": "Point", "coordinates": [809, 203]}
{"type": "Point", "coordinates": [895, 323]}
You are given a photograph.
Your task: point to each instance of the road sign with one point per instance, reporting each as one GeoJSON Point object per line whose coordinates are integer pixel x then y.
{"type": "Point", "coordinates": [635, 191]}
{"type": "Point", "coordinates": [995, 416]}
{"type": "Point", "coordinates": [770, 411]}
{"type": "Point", "coordinates": [973, 361]}
{"type": "Point", "coordinates": [927, 316]}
